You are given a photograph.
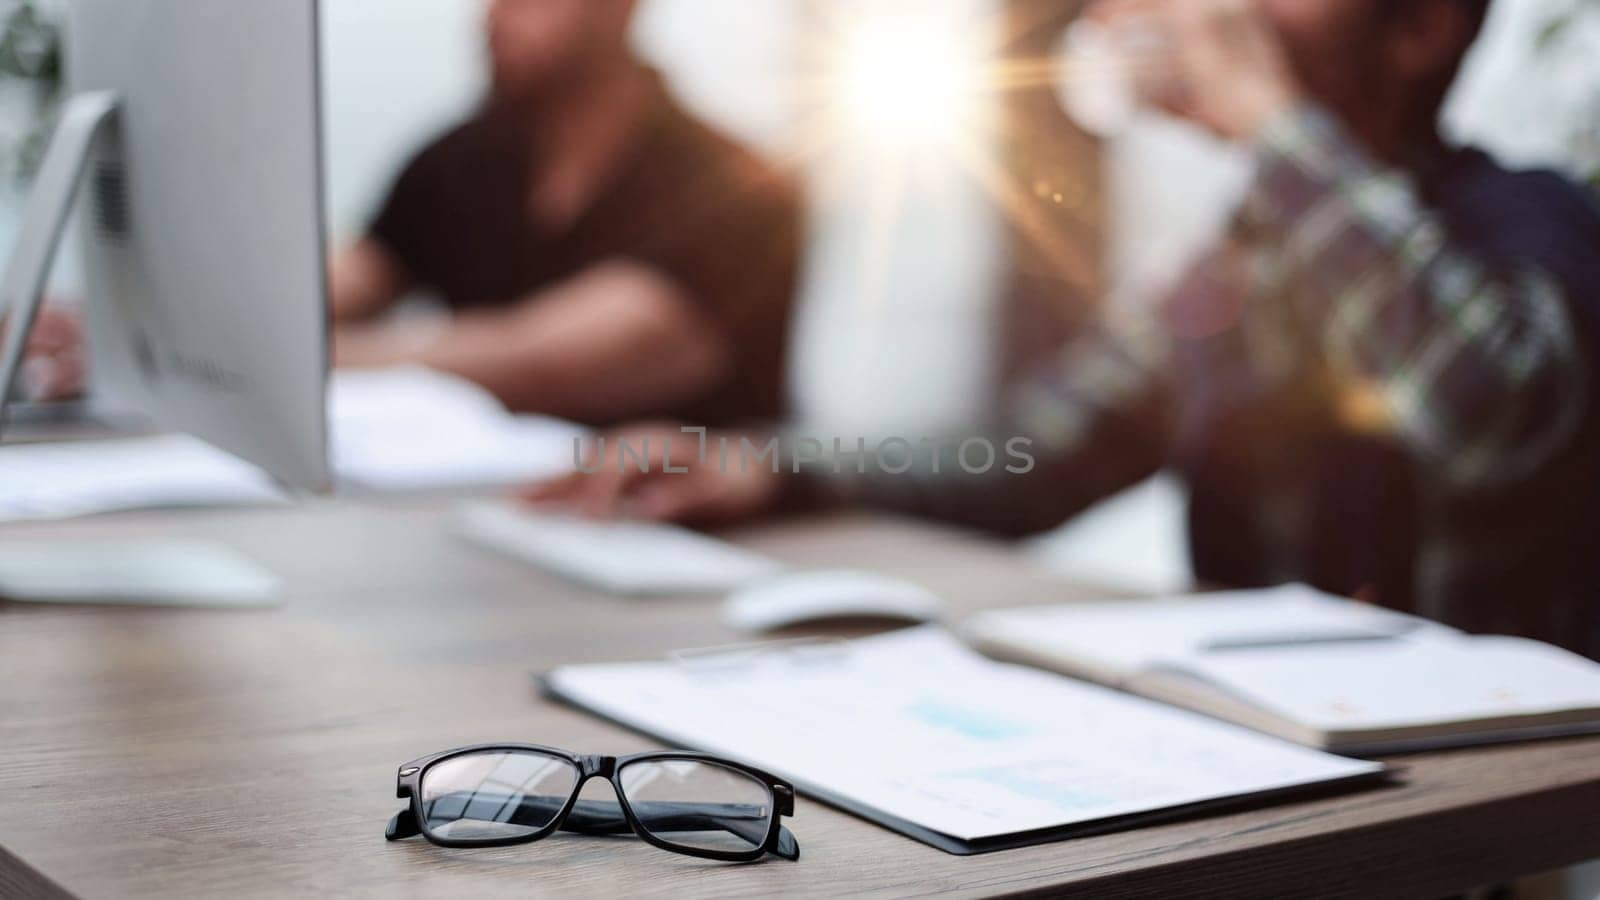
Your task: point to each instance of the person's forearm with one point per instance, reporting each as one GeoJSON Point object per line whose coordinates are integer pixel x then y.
{"type": "Point", "coordinates": [1093, 424]}
{"type": "Point", "coordinates": [1011, 502]}
{"type": "Point", "coordinates": [617, 342]}
{"type": "Point", "coordinates": [364, 345]}
{"type": "Point", "coordinates": [479, 346]}
{"type": "Point", "coordinates": [492, 348]}
{"type": "Point", "coordinates": [1477, 362]}
{"type": "Point", "coordinates": [365, 280]}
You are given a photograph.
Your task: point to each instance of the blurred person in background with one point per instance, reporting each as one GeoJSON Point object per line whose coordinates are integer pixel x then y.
{"type": "Point", "coordinates": [603, 254]}
{"type": "Point", "coordinates": [1381, 381]}
{"type": "Point", "coordinates": [1055, 199]}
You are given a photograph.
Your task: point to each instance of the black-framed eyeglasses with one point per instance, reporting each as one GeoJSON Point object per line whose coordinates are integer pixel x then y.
{"type": "Point", "coordinates": [496, 795]}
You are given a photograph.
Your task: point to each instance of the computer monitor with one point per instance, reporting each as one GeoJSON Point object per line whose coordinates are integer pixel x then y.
{"type": "Point", "coordinates": [193, 127]}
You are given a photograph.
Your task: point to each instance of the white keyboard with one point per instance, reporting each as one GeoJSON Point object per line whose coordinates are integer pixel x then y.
{"type": "Point", "coordinates": [630, 558]}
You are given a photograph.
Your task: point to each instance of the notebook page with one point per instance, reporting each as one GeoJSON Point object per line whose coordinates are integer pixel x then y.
{"type": "Point", "coordinates": [1132, 636]}
{"type": "Point", "coordinates": [1402, 683]}
{"type": "Point", "coordinates": [916, 726]}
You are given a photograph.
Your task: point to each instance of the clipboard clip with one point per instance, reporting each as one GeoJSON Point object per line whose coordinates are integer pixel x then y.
{"type": "Point", "coordinates": [797, 653]}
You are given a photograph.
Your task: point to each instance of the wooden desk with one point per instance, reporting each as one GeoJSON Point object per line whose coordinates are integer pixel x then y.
{"type": "Point", "coordinates": [157, 753]}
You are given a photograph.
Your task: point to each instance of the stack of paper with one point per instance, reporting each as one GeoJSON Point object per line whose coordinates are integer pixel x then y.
{"type": "Point", "coordinates": [411, 430]}
{"type": "Point", "coordinates": [405, 430]}
{"type": "Point", "coordinates": [59, 481]}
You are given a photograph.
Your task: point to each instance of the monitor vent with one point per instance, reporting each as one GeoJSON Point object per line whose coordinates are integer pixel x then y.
{"type": "Point", "coordinates": [111, 214]}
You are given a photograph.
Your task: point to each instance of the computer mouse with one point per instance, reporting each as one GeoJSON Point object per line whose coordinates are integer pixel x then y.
{"type": "Point", "coordinates": [812, 598]}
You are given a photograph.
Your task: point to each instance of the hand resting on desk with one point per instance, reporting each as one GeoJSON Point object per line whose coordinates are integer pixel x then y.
{"type": "Point", "coordinates": [673, 483]}
{"type": "Point", "coordinates": [54, 364]}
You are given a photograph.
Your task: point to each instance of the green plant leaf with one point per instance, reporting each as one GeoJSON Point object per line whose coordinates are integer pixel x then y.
{"type": "Point", "coordinates": [1551, 33]}
{"type": "Point", "coordinates": [30, 46]}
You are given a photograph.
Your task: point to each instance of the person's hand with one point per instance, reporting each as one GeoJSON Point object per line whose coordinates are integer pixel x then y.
{"type": "Point", "coordinates": [54, 364]}
{"type": "Point", "coordinates": [1229, 72]}
{"type": "Point", "coordinates": [378, 345]}
{"type": "Point", "coordinates": [681, 484]}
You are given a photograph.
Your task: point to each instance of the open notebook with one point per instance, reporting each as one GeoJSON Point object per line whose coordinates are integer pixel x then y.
{"type": "Point", "coordinates": [1312, 668]}
{"type": "Point", "coordinates": [918, 733]}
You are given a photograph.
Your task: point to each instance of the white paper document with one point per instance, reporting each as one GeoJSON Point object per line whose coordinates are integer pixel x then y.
{"type": "Point", "coordinates": [413, 430]}
{"type": "Point", "coordinates": [916, 727]}
{"type": "Point", "coordinates": [631, 558]}
{"type": "Point", "coordinates": [391, 431]}
{"type": "Point", "coordinates": [81, 478]}
{"type": "Point", "coordinates": [1136, 542]}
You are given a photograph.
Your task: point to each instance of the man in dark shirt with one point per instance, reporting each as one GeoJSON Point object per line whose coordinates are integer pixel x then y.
{"type": "Point", "coordinates": [1382, 382]}
{"type": "Point", "coordinates": [603, 254]}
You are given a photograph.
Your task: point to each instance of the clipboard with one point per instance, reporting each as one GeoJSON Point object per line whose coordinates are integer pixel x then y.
{"type": "Point", "coordinates": [1331, 774]}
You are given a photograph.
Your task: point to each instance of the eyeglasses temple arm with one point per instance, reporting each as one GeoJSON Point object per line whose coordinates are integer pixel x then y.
{"type": "Point", "coordinates": [788, 848]}
{"type": "Point", "coordinates": [402, 826]}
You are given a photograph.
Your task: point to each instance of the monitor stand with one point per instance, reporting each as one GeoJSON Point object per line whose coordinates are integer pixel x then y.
{"type": "Point", "coordinates": [83, 119]}
{"type": "Point", "coordinates": [145, 572]}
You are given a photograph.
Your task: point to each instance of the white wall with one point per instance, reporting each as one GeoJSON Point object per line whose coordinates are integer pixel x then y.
{"type": "Point", "coordinates": [396, 71]}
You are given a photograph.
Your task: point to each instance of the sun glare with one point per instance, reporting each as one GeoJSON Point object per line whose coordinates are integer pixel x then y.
{"type": "Point", "coordinates": [909, 78]}
{"type": "Point", "coordinates": [911, 113]}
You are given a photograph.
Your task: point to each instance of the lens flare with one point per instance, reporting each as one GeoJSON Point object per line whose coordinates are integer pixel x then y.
{"type": "Point", "coordinates": [909, 80]}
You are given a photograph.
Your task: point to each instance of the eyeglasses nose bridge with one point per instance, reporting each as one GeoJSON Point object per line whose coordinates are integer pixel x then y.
{"type": "Point", "coordinates": [599, 767]}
